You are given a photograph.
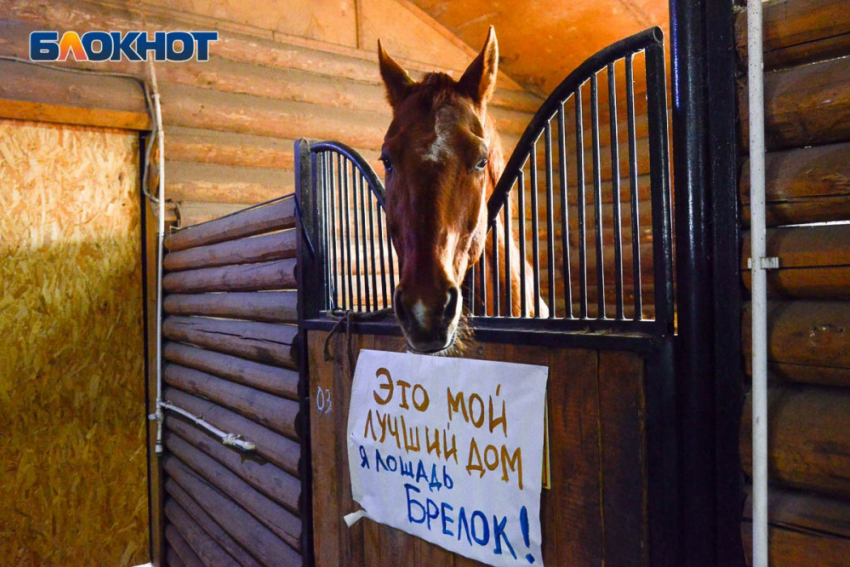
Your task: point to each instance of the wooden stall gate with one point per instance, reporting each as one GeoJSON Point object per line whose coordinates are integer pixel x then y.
{"type": "Point", "coordinates": [229, 359]}
{"type": "Point", "coordinates": [608, 342]}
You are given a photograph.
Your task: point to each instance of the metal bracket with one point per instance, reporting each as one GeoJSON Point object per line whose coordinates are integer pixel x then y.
{"type": "Point", "coordinates": [766, 263]}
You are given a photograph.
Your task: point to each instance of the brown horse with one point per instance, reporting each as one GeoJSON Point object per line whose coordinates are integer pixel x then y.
{"type": "Point", "coordinates": [443, 158]}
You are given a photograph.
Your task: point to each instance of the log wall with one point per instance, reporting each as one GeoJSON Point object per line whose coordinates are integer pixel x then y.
{"type": "Point", "coordinates": [229, 332]}
{"type": "Point", "coordinates": [230, 122]}
{"type": "Point", "coordinates": [807, 123]}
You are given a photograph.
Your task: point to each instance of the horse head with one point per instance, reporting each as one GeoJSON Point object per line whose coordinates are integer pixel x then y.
{"type": "Point", "coordinates": [442, 158]}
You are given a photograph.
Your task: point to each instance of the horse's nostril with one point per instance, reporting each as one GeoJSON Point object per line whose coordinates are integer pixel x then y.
{"type": "Point", "coordinates": [399, 306]}
{"type": "Point", "coordinates": [451, 305]}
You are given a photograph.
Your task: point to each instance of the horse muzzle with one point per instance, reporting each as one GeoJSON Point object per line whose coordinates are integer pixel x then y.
{"type": "Point", "coordinates": [431, 327]}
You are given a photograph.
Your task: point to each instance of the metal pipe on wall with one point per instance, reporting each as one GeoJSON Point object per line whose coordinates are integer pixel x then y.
{"type": "Point", "coordinates": [755, 75]}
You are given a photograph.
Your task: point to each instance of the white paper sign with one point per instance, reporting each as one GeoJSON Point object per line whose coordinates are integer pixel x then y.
{"type": "Point", "coordinates": [451, 450]}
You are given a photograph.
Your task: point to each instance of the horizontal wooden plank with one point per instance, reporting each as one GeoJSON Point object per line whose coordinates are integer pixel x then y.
{"type": "Point", "coordinates": [252, 534]}
{"type": "Point", "coordinates": [202, 544]}
{"type": "Point", "coordinates": [275, 483]}
{"type": "Point", "coordinates": [30, 92]}
{"type": "Point", "coordinates": [808, 341]}
{"type": "Point", "coordinates": [804, 106]}
{"type": "Point", "coordinates": [172, 559]}
{"type": "Point", "coordinates": [190, 213]}
{"type": "Point", "coordinates": [279, 381]}
{"type": "Point", "coordinates": [247, 114]}
{"type": "Point", "coordinates": [275, 275]}
{"type": "Point", "coordinates": [814, 262]}
{"type": "Point", "coordinates": [803, 185]}
{"type": "Point", "coordinates": [225, 148]}
{"type": "Point", "coordinates": [266, 306]}
{"type": "Point", "coordinates": [270, 411]}
{"type": "Point", "coordinates": [275, 448]}
{"type": "Point", "coordinates": [804, 529]}
{"type": "Point", "coordinates": [260, 342]}
{"type": "Point", "coordinates": [280, 521]}
{"type": "Point", "coordinates": [809, 447]}
{"type": "Point", "coordinates": [799, 31]}
{"type": "Point", "coordinates": [275, 246]}
{"type": "Point", "coordinates": [178, 543]}
{"type": "Point", "coordinates": [212, 183]}
{"type": "Point", "coordinates": [274, 216]}
{"type": "Point", "coordinates": [205, 521]}
{"type": "Point", "coordinates": [805, 247]}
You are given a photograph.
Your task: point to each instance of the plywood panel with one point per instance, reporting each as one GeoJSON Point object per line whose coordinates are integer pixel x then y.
{"type": "Point", "coordinates": [72, 358]}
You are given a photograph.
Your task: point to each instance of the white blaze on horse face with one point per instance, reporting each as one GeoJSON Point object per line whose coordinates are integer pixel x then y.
{"type": "Point", "coordinates": [440, 148]}
{"type": "Point", "coordinates": [420, 313]}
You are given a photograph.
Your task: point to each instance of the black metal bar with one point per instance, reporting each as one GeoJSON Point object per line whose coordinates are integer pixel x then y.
{"type": "Point", "coordinates": [343, 245]}
{"type": "Point", "coordinates": [471, 285]}
{"type": "Point", "coordinates": [615, 189]}
{"type": "Point", "coordinates": [565, 220]}
{"type": "Point", "coordinates": [381, 243]}
{"type": "Point", "coordinates": [535, 229]}
{"type": "Point", "coordinates": [321, 175]}
{"type": "Point", "coordinates": [307, 308]}
{"type": "Point", "coordinates": [331, 213]}
{"type": "Point", "coordinates": [695, 289]}
{"type": "Point", "coordinates": [346, 178]}
{"type": "Point", "coordinates": [482, 266]}
{"type": "Point", "coordinates": [361, 243]}
{"type": "Point", "coordinates": [523, 289]}
{"type": "Point", "coordinates": [721, 67]}
{"type": "Point", "coordinates": [508, 239]}
{"type": "Point", "coordinates": [359, 162]}
{"type": "Point", "coordinates": [634, 189]}
{"type": "Point", "coordinates": [597, 197]}
{"type": "Point", "coordinates": [582, 207]}
{"type": "Point", "coordinates": [550, 219]}
{"type": "Point", "coordinates": [373, 252]}
{"type": "Point", "coordinates": [391, 260]}
{"type": "Point", "coordinates": [497, 292]}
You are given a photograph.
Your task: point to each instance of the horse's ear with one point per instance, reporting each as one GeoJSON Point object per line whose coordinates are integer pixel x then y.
{"type": "Point", "coordinates": [395, 78]}
{"type": "Point", "coordinates": [479, 79]}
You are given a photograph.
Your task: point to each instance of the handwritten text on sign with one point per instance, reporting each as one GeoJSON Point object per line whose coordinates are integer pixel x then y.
{"type": "Point", "coordinates": [450, 450]}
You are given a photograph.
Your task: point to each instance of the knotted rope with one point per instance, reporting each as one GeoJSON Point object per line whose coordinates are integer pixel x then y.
{"type": "Point", "coordinates": [346, 318]}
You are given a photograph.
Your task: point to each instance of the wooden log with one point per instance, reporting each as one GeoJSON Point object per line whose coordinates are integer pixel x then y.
{"type": "Point", "coordinates": [804, 106]}
{"type": "Point", "coordinates": [260, 342]}
{"type": "Point", "coordinates": [808, 341]}
{"type": "Point", "coordinates": [275, 448]}
{"type": "Point", "coordinates": [172, 559]}
{"type": "Point", "coordinates": [279, 215]}
{"type": "Point", "coordinates": [190, 213]}
{"type": "Point", "coordinates": [803, 185]}
{"type": "Point", "coordinates": [279, 381]}
{"type": "Point", "coordinates": [35, 93]}
{"type": "Point", "coordinates": [804, 529]}
{"type": "Point", "coordinates": [273, 482]}
{"type": "Point", "coordinates": [797, 32]}
{"type": "Point", "coordinates": [808, 445]}
{"type": "Point", "coordinates": [212, 183]}
{"type": "Point", "coordinates": [186, 554]}
{"type": "Point", "coordinates": [814, 262]}
{"type": "Point", "coordinates": [204, 546]}
{"type": "Point", "coordinates": [275, 275]}
{"type": "Point", "coordinates": [270, 411]}
{"type": "Point", "coordinates": [205, 521]}
{"type": "Point", "coordinates": [224, 148]}
{"type": "Point", "coordinates": [246, 114]}
{"type": "Point", "coordinates": [247, 530]}
{"type": "Point", "coordinates": [280, 521]}
{"type": "Point", "coordinates": [267, 306]}
{"type": "Point", "coordinates": [275, 246]}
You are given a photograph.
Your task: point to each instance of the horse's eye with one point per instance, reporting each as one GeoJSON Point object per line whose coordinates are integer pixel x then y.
{"type": "Point", "coordinates": [388, 165]}
{"type": "Point", "coordinates": [482, 163]}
